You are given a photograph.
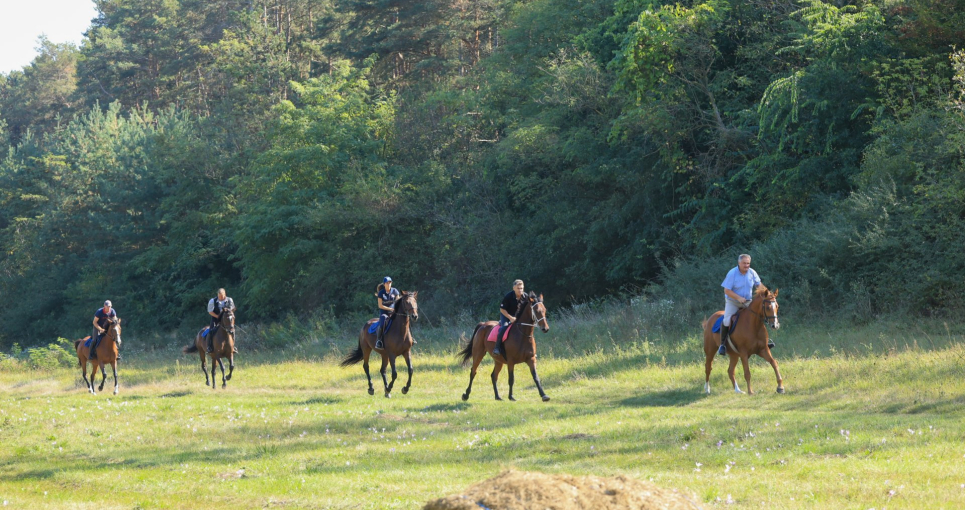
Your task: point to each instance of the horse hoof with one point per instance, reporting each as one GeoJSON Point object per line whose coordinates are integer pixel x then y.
{"type": "Point", "coordinates": [228, 378]}
{"type": "Point", "coordinates": [405, 390]}
{"type": "Point", "coordinates": [371, 391]}
{"type": "Point", "coordinates": [115, 391]}
{"type": "Point", "coordinates": [499, 399]}
{"type": "Point", "coordinates": [388, 395]}
{"type": "Point", "coordinates": [465, 397]}
{"type": "Point", "coordinates": [223, 385]}
{"type": "Point", "coordinates": [780, 390]}
{"type": "Point", "coordinates": [546, 398]}
{"type": "Point", "coordinates": [512, 399]}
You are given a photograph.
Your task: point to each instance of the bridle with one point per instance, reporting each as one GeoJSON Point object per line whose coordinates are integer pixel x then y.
{"type": "Point", "coordinates": [406, 306]}
{"type": "Point", "coordinates": [767, 318]}
{"type": "Point", "coordinates": [224, 314]}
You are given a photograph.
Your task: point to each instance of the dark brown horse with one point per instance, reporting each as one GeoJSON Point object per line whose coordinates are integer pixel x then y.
{"type": "Point", "coordinates": [748, 337]}
{"type": "Point", "coordinates": [106, 355]}
{"type": "Point", "coordinates": [224, 346]}
{"type": "Point", "coordinates": [397, 340]}
{"type": "Point", "coordinates": [519, 347]}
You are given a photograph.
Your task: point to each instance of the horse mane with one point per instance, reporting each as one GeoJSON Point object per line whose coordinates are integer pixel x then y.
{"type": "Point", "coordinates": [526, 298]}
{"type": "Point", "coordinates": [761, 291]}
{"type": "Point", "coordinates": [395, 308]}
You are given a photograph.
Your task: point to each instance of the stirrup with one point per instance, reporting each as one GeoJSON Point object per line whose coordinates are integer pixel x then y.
{"type": "Point", "coordinates": [723, 349]}
{"type": "Point", "coordinates": [379, 345]}
{"type": "Point", "coordinates": [770, 344]}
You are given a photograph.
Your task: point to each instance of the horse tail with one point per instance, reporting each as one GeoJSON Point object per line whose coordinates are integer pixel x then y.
{"type": "Point", "coordinates": [188, 349]}
{"type": "Point", "coordinates": [466, 351]}
{"type": "Point", "coordinates": [354, 356]}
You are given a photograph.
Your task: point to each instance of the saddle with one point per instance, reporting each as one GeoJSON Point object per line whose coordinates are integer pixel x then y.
{"type": "Point", "coordinates": [720, 321]}
{"type": "Point", "coordinates": [492, 334]}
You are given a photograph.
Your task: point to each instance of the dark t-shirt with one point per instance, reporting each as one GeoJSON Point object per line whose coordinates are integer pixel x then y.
{"type": "Point", "coordinates": [510, 303]}
{"type": "Point", "coordinates": [102, 318]}
{"type": "Point", "coordinates": [388, 298]}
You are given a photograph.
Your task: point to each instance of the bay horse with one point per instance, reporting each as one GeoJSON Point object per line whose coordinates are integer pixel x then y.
{"type": "Point", "coordinates": [748, 337]}
{"type": "Point", "coordinates": [224, 347]}
{"type": "Point", "coordinates": [106, 355]}
{"type": "Point", "coordinates": [519, 346]}
{"type": "Point", "coordinates": [397, 341]}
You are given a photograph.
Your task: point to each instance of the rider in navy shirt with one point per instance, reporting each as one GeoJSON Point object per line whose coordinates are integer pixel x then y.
{"type": "Point", "coordinates": [102, 319]}
{"type": "Point", "coordinates": [386, 299]}
{"type": "Point", "coordinates": [507, 313]}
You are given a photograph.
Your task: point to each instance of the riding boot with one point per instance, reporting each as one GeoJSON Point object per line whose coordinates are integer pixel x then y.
{"type": "Point", "coordinates": [724, 330]}
{"type": "Point", "coordinates": [210, 339]}
{"type": "Point", "coordinates": [378, 337]}
{"type": "Point", "coordinates": [93, 348]}
{"type": "Point", "coordinates": [498, 349]}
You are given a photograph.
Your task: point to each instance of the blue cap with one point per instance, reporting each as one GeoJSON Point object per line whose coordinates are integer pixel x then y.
{"type": "Point", "coordinates": [387, 279]}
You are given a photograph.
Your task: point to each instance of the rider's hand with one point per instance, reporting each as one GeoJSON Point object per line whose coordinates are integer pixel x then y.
{"type": "Point", "coordinates": [101, 330]}
{"type": "Point", "coordinates": [512, 320]}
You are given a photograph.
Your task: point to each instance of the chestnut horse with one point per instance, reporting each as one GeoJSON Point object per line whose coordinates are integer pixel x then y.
{"type": "Point", "coordinates": [106, 355]}
{"type": "Point", "coordinates": [519, 347]}
{"type": "Point", "coordinates": [397, 341]}
{"type": "Point", "coordinates": [747, 338]}
{"type": "Point", "coordinates": [224, 347]}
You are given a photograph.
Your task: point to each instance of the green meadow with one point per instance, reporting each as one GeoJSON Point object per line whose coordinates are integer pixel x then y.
{"type": "Point", "coordinates": [872, 418]}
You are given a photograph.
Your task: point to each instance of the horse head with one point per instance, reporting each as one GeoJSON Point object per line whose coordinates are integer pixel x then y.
{"type": "Point", "coordinates": [769, 306]}
{"type": "Point", "coordinates": [538, 311]}
{"type": "Point", "coordinates": [114, 330]}
{"type": "Point", "coordinates": [228, 320]}
{"type": "Point", "coordinates": [410, 307]}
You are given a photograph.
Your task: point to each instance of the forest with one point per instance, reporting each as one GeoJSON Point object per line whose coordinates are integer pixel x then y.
{"type": "Point", "coordinates": [297, 151]}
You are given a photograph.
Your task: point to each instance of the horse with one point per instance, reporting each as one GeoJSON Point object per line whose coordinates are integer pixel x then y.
{"type": "Point", "coordinates": [224, 346]}
{"type": "Point", "coordinates": [106, 354]}
{"type": "Point", "coordinates": [519, 346]}
{"type": "Point", "coordinates": [397, 341]}
{"type": "Point", "coordinates": [748, 337]}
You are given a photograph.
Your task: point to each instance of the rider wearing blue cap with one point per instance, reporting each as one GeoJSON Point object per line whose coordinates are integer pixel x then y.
{"type": "Point", "coordinates": [386, 296]}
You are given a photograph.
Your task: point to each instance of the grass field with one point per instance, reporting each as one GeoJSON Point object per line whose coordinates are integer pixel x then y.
{"type": "Point", "coordinates": [873, 418]}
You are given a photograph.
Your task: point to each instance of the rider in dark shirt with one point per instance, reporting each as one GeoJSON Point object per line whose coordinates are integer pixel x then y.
{"type": "Point", "coordinates": [102, 319]}
{"type": "Point", "coordinates": [216, 305]}
{"type": "Point", "coordinates": [507, 313]}
{"type": "Point", "coordinates": [386, 296]}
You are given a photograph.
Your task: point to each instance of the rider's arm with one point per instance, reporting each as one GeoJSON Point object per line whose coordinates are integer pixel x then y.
{"type": "Point", "coordinates": [96, 326]}
{"type": "Point", "coordinates": [382, 306]}
{"type": "Point", "coordinates": [733, 295]}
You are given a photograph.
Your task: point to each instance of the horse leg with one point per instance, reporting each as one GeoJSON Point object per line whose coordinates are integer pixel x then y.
{"type": "Point", "coordinates": [114, 372]}
{"type": "Point", "coordinates": [495, 376]}
{"type": "Point", "coordinates": [214, 366]}
{"type": "Point", "coordinates": [204, 365]}
{"type": "Point", "coordinates": [476, 359]}
{"type": "Point", "coordinates": [103, 376]}
{"type": "Point", "coordinates": [747, 374]}
{"type": "Point", "coordinates": [231, 365]}
{"type": "Point", "coordinates": [730, 373]}
{"type": "Point", "coordinates": [539, 385]}
{"type": "Point", "coordinates": [388, 389]}
{"type": "Point", "coordinates": [512, 379]}
{"type": "Point", "coordinates": [708, 364]}
{"type": "Point", "coordinates": [93, 377]}
{"type": "Point", "coordinates": [90, 387]}
{"type": "Point", "coordinates": [366, 352]}
{"type": "Point", "coordinates": [385, 382]}
{"type": "Point", "coordinates": [780, 380]}
{"type": "Point", "coordinates": [224, 382]}
{"type": "Point", "coordinates": [408, 364]}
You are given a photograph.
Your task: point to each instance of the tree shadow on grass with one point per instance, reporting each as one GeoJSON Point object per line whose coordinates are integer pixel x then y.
{"type": "Point", "coordinates": [677, 397]}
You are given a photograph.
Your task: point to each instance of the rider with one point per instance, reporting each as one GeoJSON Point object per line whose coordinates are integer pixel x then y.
{"type": "Point", "coordinates": [507, 311]}
{"type": "Point", "coordinates": [102, 317]}
{"type": "Point", "coordinates": [739, 286]}
{"type": "Point", "coordinates": [386, 297]}
{"type": "Point", "coordinates": [216, 305]}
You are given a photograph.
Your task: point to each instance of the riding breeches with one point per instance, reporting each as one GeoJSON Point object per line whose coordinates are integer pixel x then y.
{"type": "Point", "coordinates": [730, 308]}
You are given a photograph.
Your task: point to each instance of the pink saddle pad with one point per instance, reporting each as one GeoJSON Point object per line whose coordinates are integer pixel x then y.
{"type": "Point", "coordinates": [492, 334]}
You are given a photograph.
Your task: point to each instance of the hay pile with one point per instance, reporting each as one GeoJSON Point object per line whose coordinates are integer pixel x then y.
{"type": "Point", "coordinates": [516, 490]}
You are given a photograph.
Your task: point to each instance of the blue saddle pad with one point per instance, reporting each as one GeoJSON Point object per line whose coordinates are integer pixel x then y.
{"type": "Point", "coordinates": [720, 321]}
{"type": "Point", "coordinates": [204, 334]}
{"type": "Point", "coordinates": [375, 325]}
{"type": "Point", "coordinates": [88, 341]}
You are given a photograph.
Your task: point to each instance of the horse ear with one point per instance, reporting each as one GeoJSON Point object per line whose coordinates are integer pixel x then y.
{"type": "Point", "coordinates": [415, 294]}
{"type": "Point", "coordinates": [540, 297]}
{"type": "Point", "coordinates": [776, 291]}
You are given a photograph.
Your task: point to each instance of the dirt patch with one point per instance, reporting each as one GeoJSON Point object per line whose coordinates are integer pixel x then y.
{"type": "Point", "coordinates": [517, 490]}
